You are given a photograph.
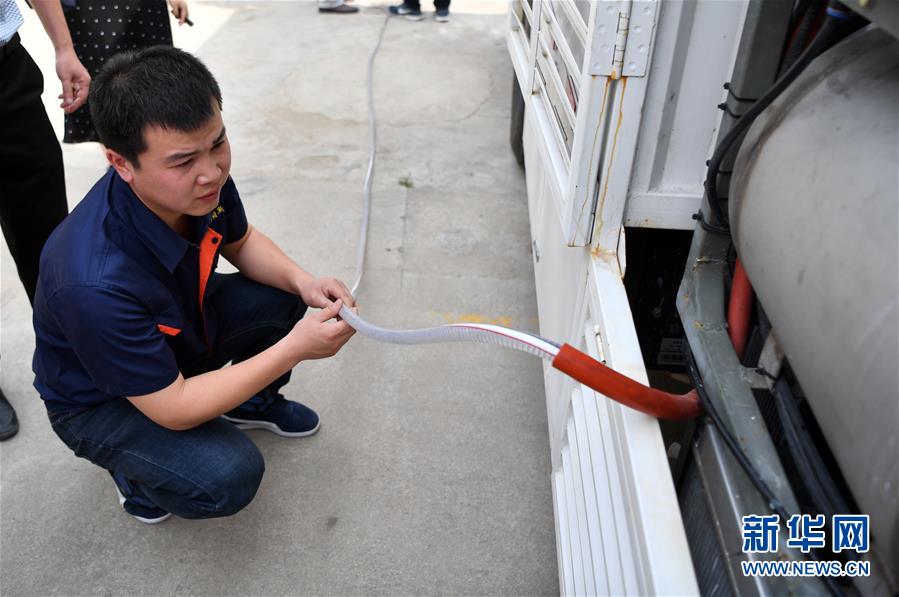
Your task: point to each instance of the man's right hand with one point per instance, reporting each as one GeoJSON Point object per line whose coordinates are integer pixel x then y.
{"type": "Point", "coordinates": [316, 336]}
{"type": "Point", "coordinates": [76, 82]}
{"type": "Point", "coordinates": [74, 77]}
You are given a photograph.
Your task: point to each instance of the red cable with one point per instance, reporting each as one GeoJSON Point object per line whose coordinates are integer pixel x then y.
{"type": "Point", "coordinates": [739, 309]}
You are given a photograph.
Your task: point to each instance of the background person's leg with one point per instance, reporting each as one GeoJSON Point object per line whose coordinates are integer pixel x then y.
{"type": "Point", "coordinates": [209, 471]}
{"type": "Point", "coordinates": [32, 179]}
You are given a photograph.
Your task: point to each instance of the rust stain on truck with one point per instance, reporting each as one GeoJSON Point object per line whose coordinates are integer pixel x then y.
{"type": "Point", "coordinates": [605, 188]}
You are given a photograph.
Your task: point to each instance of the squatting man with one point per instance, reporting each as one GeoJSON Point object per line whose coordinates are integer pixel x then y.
{"type": "Point", "coordinates": [133, 324]}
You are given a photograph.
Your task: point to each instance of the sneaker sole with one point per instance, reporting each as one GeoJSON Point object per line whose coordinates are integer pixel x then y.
{"type": "Point", "coordinates": [122, 500]}
{"type": "Point", "coordinates": [442, 19]}
{"type": "Point", "coordinates": [246, 424]}
{"type": "Point", "coordinates": [10, 433]}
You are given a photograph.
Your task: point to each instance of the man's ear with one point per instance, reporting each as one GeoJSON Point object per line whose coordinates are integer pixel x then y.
{"type": "Point", "coordinates": [121, 164]}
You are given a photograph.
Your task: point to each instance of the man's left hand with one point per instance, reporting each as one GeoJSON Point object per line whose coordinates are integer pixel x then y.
{"type": "Point", "coordinates": [321, 292]}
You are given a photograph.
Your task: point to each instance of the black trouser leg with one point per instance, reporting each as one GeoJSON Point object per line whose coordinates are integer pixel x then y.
{"type": "Point", "coordinates": [441, 4]}
{"type": "Point", "coordinates": [32, 179]}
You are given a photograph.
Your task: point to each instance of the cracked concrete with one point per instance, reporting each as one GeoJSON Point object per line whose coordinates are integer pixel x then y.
{"type": "Point", "coordinates": [431, 472]}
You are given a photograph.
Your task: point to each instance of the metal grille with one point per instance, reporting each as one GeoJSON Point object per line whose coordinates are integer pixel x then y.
{"type": "Point", "coordinates": [702, 536]}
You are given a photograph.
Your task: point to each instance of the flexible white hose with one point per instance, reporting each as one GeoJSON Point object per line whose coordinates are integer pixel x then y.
{"type": "Point", "coordinates": [369, 174]}
{"type": "Point", "coordinates": [455, 332]}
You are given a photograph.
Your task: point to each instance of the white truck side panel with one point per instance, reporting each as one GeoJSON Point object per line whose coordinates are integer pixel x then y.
{"type": "Point", "coordinates": [640, 143]}
{"type": "Point", "coordinates": [680, 122]}
{"type": "Point", "coordinates": [618, 525]}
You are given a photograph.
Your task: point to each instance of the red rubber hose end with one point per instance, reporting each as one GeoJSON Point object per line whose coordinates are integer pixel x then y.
{"type": "Point", "coordinates": [625, 390]}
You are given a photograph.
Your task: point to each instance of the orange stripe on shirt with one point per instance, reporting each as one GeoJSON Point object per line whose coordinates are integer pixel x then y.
{"type": "Point", "coordinates": [208, 247]}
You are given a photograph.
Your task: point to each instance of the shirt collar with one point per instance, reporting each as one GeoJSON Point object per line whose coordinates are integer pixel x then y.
{"type": "Point", "coordinates": [164, 243]}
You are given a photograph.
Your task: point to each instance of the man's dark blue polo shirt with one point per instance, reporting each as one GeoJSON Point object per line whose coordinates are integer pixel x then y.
{"type": "Point", "coordinates": [120, 307]}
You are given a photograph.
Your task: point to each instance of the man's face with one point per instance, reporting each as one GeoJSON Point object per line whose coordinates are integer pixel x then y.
{"type": "Point", "coordinates": [180, 173]}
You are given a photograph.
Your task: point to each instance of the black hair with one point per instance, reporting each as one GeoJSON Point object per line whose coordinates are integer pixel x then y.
{"type": "Point", "coordinates": [158, 86]}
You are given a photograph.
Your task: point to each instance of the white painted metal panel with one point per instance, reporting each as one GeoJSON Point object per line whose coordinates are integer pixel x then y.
{"type": "Point", "coordinates": [517, 51]}
{"type": "Point", "coordinates": [608, 125]}
{"type": "Point", "coordinates": [618, 521]}
{"type": "Point", "coordinates": [583, 431]}
{"type": "Point", "coordinates": [520, 42]}
{"type": "Point", "coordinates": [647, 516]}
{"type": "Point", "coordinates": [574, 530]}
{"type": "Point", "coordinates": [616, 164]}
{"type": "Point", "coordinates": [563, 551]}
{"type": "Point", "coordinates": [576, 210]}
{"type": "Point", "coordinates": [576, 474]}
{"type": "Point", "coordinates": [639, 37]}
{"type": "Point", "coordinates": [680, 122]}
{"type": "Point", "coordinates": [604, 503]}
{"type": "Point", "coordinates": [624, 568]}
{"type": "Point", "coordinates": [570, 102]}
{"type": "Point", "coordinates": [548, 147]}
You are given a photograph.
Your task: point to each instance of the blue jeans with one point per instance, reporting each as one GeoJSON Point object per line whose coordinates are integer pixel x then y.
{"type": "Point", "coordinates": [213, 469]}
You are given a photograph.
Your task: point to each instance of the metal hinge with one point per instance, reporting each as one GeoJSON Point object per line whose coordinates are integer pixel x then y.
{"type": "Point", "coordinates": [622, 37]}
{"type": "Point", "coordinates": [620, 44]}
{"type": "Point", "coordinates": [596, 338]}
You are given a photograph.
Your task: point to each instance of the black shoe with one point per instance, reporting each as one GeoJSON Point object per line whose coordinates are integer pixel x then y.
{"type": "Point", "coordinates": [406, 11]}
{"type": "Point", "coordinates": [9, 423]}
{"type": "Point", "coordinates": [280, 416]}
{"type": "Point", "coordinates": [340, 9]}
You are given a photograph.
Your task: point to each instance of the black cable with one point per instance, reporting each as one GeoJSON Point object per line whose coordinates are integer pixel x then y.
{"type": "Point", "coordinates": [709, 227]}
{"type": "Point", "coordinates": [730, 93]}
{"type": "Point", "coordinates": [819, 498]}
{"type": "Point", "coordinates": [774, 504]}
{"type": "Point", "coordinates": [798, 10]}
{"type": "Point", "coordinates": [801, 29]}
{"type": "Point", "coordinates": [837, 24]}
{"type": "Point", "coordinates": [821, 487]}
{"type": "Point", "coordinates": [711, 182]}
{"type": "Point", "coordinates": [724, 107]}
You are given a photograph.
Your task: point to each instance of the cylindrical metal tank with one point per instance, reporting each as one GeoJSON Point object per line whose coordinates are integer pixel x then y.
{"type": "Point", "coordinates": [814, 207]}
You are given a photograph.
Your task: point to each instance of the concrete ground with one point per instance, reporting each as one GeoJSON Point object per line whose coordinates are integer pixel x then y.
{"type": "Point", "coordinates": [431, 472]}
